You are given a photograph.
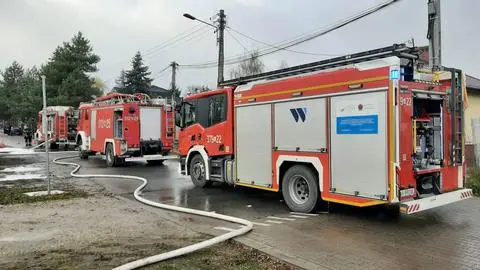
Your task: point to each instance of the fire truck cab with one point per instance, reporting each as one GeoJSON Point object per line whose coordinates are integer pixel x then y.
{"type": "Point", "coordinates": [61, 127]}
{"type": "Point", "coordinates": [365, 129]}
{"type": "Point", "coordinates": [126, 127]}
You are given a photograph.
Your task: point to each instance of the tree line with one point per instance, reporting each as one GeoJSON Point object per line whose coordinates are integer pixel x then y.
{"type": "Point", "coordinates": [70, 80]}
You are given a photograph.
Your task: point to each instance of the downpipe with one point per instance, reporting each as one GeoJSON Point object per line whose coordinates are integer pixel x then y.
{"type": "Point", "coordinates": [247, 225]}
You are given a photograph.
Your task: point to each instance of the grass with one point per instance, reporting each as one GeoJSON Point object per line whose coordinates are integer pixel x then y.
{"type": "Point", "coordinates": [14, 195]}
{"type": "Point", "coordinates": [473, 180]}
{"type": "Point", "coordinates": [229, 255]}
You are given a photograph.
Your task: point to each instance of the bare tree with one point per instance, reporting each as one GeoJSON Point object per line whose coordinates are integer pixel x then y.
{"type": "Point", "coordinates": [250, 66]}
{"type": "Point", "coordinates": [283, 64]}
{"type": "Point", "coordinates": [197, 88]}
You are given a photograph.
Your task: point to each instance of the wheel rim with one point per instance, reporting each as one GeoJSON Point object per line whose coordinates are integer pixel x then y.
{"type": "Point", "coordinates": [198, 171]}
{"type": "Point", "coordinates": [299, 189]}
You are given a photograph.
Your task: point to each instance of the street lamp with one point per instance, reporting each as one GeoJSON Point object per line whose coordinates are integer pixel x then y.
{"type": "Point", "coordinates": [189, 16]}
{"type": "Point", "coordinates": [220, 39]}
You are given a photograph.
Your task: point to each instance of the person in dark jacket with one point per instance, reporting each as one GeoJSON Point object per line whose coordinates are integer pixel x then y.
{"type": "Point", "coordinates": [28, 135]}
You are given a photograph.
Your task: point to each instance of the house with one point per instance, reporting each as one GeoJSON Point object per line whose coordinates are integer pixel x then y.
{"type": "Point", "coordinates": [472, 122]}
{"type": "Point", "coordinates": [159, 92]}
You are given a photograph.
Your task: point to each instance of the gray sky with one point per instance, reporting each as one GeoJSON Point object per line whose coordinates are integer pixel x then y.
{"type": "Point", "coordinates": [31, 29]}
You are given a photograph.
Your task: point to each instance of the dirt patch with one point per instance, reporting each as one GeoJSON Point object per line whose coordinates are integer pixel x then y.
{"type": "Point", "coordinates": [101, 232]}
{"type": "Point", "coordinates": [229, 255]}
{"type": "Point", "coordinates": [14, 195]}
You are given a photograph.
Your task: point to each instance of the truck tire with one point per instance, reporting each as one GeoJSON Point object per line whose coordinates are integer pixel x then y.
{"type": "Point", "coordinates": [81, 153]}
{"type": "Point", "coordinates": [198, 173]}
{"type": "Point", "coordinates": [110, 156]}
{"type": "Point", "coordinates": [300, 189]}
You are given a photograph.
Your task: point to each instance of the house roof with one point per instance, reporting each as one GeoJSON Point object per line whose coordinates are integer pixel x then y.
{"type": "Point", "coordinates": [473, 83]}
{"type": "Point", "coordinates": [158, 90]}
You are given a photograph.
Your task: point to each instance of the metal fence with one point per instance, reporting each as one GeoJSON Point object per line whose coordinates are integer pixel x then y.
{"type": "Point", "coordinates": [476, 140]}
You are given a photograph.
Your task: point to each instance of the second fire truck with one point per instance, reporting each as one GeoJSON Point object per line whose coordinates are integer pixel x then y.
{"type": "Point", "coordinates": [366, 129]}
{"type": "Point", "coordinates": [126, 127]}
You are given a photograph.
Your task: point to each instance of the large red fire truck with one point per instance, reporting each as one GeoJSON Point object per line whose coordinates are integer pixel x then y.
{"type": "Point", "coordinates": [365, 129]}
{"type": "Point", "coordinates": [126, 127]}
{"type": "Point", "coordinates": [61, 127]}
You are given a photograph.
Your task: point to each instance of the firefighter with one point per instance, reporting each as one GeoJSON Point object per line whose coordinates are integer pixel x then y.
{"type": "Point", "coordinates": [27, 134]}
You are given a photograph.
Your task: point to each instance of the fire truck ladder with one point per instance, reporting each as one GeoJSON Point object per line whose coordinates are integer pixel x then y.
{"type": "Point", "coordinates": [170, 118]}
{"type": "Point", "coordinates": [457, 111]}
{"type": "Point", "coordinates": [399, 50]}
{"type": "Point", "coordinates": [61, 126]}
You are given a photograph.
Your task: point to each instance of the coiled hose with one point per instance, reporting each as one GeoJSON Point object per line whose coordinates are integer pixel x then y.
{"type": "Point", "coordinates": [247, 225]}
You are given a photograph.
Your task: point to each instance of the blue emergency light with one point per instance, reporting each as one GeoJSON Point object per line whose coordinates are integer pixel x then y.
{"type": "Point", "coordinates": [394, 74]}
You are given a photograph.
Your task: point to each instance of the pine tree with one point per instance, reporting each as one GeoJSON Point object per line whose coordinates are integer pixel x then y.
{"type": "Point", "coordinates": [10, 87]}
{"type": "Point", "coordinates": [137, 79]}
{"type": "Point", "coordinates": [12, 74]}
{"type": "Point", "coordinates": [121, 83]}
{"type": "Point", "coordinates": [67, 80]}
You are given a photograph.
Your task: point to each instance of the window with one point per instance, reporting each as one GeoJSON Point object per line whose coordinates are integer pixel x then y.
{"type": "Point", "coordinates": [188, 112]}
{"type": "Point", "coordinates": [117, 117]}
{"type": "Point", "coordinates": [217, 111]}
{"type": "Point", "coordinates": [206, 111]}
{"type": "Point", "coordinates": [203, 111]}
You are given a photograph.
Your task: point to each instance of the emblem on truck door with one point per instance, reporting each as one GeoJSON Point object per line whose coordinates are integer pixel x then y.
{"type": "Point", "coordinates": [299, 113]}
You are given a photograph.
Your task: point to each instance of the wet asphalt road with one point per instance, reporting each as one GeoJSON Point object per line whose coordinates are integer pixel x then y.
{"type": "Point", "coordinates": [345, 238]}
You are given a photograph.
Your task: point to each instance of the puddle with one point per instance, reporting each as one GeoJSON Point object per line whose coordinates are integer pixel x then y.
{"type": "Point", "coordinates": [20, 169]}
{"type": "Point", "coordinates": [27, 176]}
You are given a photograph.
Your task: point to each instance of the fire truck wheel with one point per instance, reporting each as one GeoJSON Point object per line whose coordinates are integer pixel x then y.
{"type": "Point", "coordinates": [82, 154]}
{"type": "Point", "coordinates": [112, 161]}
{"type": "Point", "coordinates": [197, 172]}
{"type": "Point", "coordinates": [300, 189]}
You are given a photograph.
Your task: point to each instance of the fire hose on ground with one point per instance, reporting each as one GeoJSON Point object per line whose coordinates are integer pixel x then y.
{"type": "Point", "coordinates": [247, 225]}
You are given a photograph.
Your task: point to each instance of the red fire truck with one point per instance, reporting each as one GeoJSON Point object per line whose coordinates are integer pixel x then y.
{"type": "Point", "coordinates": [126, 127]}
{"type": "Point", "coordinates": [61, 127]}
{"type": "Point", "coordinates": [364, 129]}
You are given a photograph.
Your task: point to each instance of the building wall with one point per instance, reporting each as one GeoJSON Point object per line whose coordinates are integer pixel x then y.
{"type": "Point", "coordinates": [473, 111]}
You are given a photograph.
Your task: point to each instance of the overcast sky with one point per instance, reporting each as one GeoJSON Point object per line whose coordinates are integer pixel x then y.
{"type": "Point", "coordinates": [31, 29]}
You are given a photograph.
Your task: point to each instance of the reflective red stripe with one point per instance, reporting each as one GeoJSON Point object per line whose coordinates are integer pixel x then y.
{"type": "Point", "coordinates": [413, 208]}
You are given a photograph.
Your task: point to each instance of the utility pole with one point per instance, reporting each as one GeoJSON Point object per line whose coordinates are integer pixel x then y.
{"type": "Point", "coordinates": [173, 86]}
{"type": "Point", "coordinates": [434, 35]}
{"type": "Point", "coordinates": [220, 25]}
{"type": "Point", "coordinates": [45, 132]}
{"type": "Point", "coordinates": [221, 42]}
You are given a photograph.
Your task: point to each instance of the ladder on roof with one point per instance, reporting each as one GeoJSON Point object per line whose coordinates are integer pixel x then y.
{"type": "Point", "coordinates": [399, 50]}
{"type": "Point", "coordinates": [457, 115]}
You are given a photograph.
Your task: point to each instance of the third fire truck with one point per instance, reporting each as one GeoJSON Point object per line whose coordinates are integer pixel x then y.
{"type": "Point", "coordinates": [61, 127]}
{"type": "Point", "coordinates": [126, 127]}
{"type": "Point", "coordinates": [366, 129]}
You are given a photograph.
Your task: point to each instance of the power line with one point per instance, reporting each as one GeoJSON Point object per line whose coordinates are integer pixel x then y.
{"type": "Point", "coordinates": [230, 33]}
{"type": "Point", "coordinates": [146, 52]}
{"type": "Point", "coordinates": [156, 75]}
{"type": "Point", "coordinates": [277, 47]}
{"type": "Point", "coordinates": [303, 39]}
{"type": "Point", "coordinates": [156, 52]}
{"type": "Point", "coordinates": [172, 38]}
